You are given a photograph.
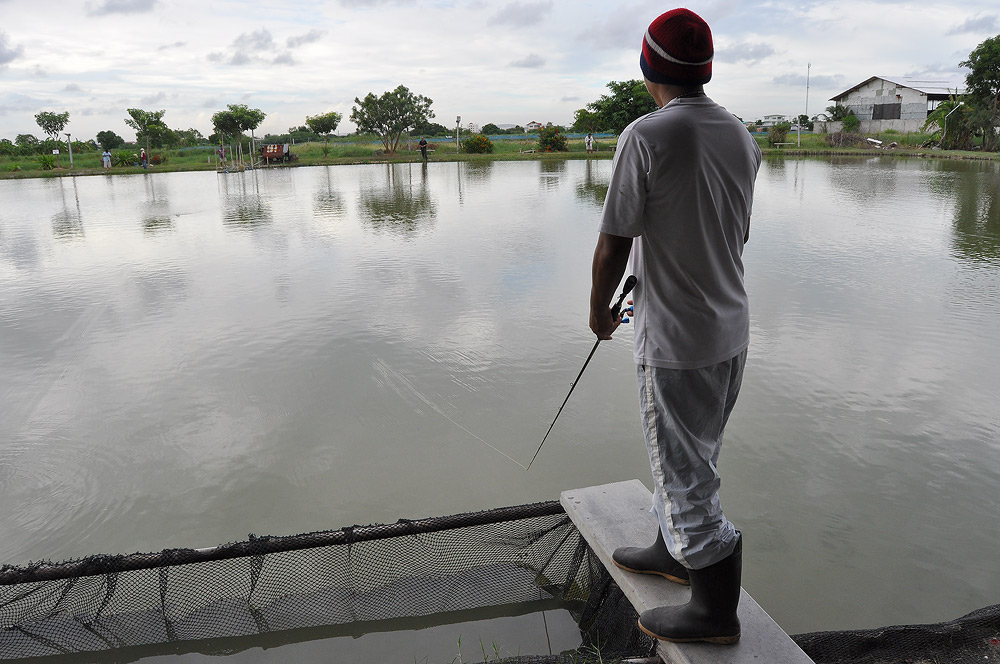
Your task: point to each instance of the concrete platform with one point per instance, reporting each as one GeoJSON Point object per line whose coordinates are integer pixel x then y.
{"type": "Point", "coordinates": [614, 515]}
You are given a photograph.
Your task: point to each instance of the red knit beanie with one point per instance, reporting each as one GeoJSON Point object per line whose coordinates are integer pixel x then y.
{"type": "Point", "coordinates": [677, 49]}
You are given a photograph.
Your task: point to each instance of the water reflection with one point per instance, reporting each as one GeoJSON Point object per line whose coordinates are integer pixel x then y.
{"type": "Point", "coordinates": [398, 202]}
{"type": "Point", "coordinates": [243, 206]}
{"type": "Point", "coordinates": [327, 201]}
{"type": "Point", "coordinates": [477, 172]}
{"type": "Point", "coordinates": [155, 210]}
{"type": "Point", "coordinates": [977, 216]}
{"type": "Point", "coordinates": [67, 223]}
{"type": "Point", "coordinates": [550, 172]}
{"type": "Point", "coordinates": [594, 187]}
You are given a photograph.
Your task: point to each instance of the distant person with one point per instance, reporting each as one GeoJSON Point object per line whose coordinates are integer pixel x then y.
{"type": "Point", "coordinates": [589, 143]}
{"type": "Point", "coordinates": [678, 215]}
{"type": "Point", "coordinates": [143, 159]}
{"type": "Point", "coordinates": [423, 147]}
{"type": "Point", "coordinates": [106, 158]}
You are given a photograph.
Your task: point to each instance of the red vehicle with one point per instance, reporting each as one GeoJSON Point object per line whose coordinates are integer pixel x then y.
{"type": "Point", "coordinates": [275, 152]}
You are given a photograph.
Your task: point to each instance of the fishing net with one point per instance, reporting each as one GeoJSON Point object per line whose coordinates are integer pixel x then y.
{"type": "Point", "coordinates": [349, 581]}
{"type": "Point", "coordinates": [972, 638]}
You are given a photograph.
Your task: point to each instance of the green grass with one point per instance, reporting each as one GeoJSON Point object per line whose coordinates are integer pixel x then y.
{"type": "Point", "coordinates": [361, 150]}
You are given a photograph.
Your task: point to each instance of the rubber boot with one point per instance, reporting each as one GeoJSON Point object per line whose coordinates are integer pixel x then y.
{"type": "Point", "coordinates": [711, 613]}
{"type": "Point", "coordinates": [654, 559]}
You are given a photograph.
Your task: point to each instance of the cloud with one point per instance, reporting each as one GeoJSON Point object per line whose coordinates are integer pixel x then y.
{"type": "Point", "coordinates": [8, 53]}
{"type": "Point", "coordinates": [210, 103]}
{"type": "Point", "coordinates": [980, 23]}
{"type": "Point", "coordinates": [621, 29]}
{"type": "Point", "coordinates": [255, 47]}
{"type": "Point", "coordinates": [120, 7]}
{"type": "Point", "coordinates": [153, 99]}
{"type": "Point", "coordinates": [178, 44]}
{"type": "Point", "coordinates": [72, 87]}
{"type": "Point", "coordinates": [745, 52]}
{"type": "Point", "coordinates": [799, 80]}
{"type": "Point", "coordinates": [521, 14]}
{"type": "Point", "coordinates": [373, 3]}
{"type": "Point", "coordinates": [307, 38]}
{"type": "Point", "coordinates": [530, 61]}
{"type": "Point", "coordinates": [570, 99]}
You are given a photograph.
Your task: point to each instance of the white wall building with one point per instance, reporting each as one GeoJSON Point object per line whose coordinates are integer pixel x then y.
{"type": "Point", "coordinates": [896, 102]}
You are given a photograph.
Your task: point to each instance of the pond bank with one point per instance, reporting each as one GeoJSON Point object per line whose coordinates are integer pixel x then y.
{"type": "Point", "coordinates": [534, 156]}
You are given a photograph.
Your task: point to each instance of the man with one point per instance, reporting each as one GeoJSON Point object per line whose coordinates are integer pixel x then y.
{"type": "Point", "coordinates": [588, 142]}
{"type": "Point", "coordinates": [423, 147]}
{"type": "Point", "coordinates": [106, 159]}
{"type": "Point", "coordinates": [679, 204]}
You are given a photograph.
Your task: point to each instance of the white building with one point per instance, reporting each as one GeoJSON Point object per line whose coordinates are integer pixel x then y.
{"type": "Point", "coordinates": [772, 120]}
{"type": "Point", "coordinates": [896, 102]}
{"type": "Point", "coordinates": [533, 126]}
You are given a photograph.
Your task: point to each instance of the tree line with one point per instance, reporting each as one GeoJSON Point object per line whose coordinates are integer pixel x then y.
{"type": "Point", "coordinates": [387, 117]}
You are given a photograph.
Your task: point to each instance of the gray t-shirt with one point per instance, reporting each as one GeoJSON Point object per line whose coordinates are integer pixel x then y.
{"type": "Point", "coordinates": [682, 182]}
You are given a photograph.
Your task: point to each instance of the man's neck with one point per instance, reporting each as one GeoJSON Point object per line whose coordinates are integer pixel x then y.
{"type": "Point", "coordinates": [664, 94]}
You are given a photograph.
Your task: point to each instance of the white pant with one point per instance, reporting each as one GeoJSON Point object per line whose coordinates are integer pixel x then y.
{"type": "Point", "coordinates": [684, 414]}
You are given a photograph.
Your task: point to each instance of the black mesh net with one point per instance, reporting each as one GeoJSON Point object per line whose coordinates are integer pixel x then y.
{"type": "Point", "coordinates": [354, 580]}
{"type": "Point", "coordinates": [972, 638]}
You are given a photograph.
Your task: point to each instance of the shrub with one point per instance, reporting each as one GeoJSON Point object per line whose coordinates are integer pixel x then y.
{"type": "Point", "coordinates": [124, 158]}
{"type": "Point", "coordinates": [477, 144]}
{"type": "Point", "coordinates": [13, 167]}
{"type": "Point", "coordinates": [778, 133]}
{"type": "Point", "coordinates": [550, 140]}
{"type": "Point", "coordinates": [47, 162]}
{"type": "Point", "coordinates": [851, 123]}
{"type": "Point", "coordinates": [844, 139]}
{"type": "Point", "coordinates": [157, 159]}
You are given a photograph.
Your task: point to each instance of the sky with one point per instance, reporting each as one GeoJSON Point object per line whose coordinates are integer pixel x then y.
{"type": "Point", "coordinates": [505, 62]}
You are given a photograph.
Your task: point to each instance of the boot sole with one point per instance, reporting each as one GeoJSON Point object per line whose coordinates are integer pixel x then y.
{"type": "Point", "coordinates": [721, 640]}
{"type": "Point", "coordinates": [675, 579]}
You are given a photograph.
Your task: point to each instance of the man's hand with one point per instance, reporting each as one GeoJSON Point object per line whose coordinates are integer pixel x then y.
{"type": "Point", "coordinates": [610, 259]}
{"type": "Point", "coordinates": [603, 323]}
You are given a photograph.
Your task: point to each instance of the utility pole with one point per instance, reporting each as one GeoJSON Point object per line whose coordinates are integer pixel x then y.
{"type": "Point", "coordinates": [458, 131]}
{"type": "Point", "coordinates": [808, 67]}
{"type": "Point", "coordinates": [69, 143]}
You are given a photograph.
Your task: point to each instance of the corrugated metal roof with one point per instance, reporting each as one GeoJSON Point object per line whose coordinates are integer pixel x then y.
{"type": "Point", "coordinates": [928, 86]}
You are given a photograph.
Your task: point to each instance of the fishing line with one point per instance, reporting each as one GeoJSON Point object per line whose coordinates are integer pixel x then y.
{"type": "Point", "coordinates": [615, 310]}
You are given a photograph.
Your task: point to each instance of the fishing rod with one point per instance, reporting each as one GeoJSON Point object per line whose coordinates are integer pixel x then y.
{"type": "Point", "coordinates": [615, 310]}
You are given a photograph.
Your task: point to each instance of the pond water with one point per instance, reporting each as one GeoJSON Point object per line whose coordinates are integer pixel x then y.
{"type": "Point", "coordinates": [191, 357]}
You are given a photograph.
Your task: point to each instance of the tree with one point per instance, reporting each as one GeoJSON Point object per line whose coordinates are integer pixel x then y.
{"type": "Point", "coordinates": [324, 125]}
{"type": "Point", "coordinates": [109, 140]}
{"type": "Point", "coordinates": [236, 119]}
{"type": "Point", "coordinates": [26, 144]}
{"type": "Point", "coordinates": [628, 100]}
{"type": "Point", "coordinates": [836, 113]}
{"type": "Point", "coordinates": [491, 129]}
{"type": "Point", "coordinates": [189, 137]}
{"type": "Point", "coordinates": [248, 118]}
{"type": "Point", "coordinates": [983, 88]}
{"type": "Point", "coordinates": [426, 128]}
{"type": "Point", "coordinates": [226, 125]}
{"type": "Point", "coordinates": [147, 124]}
{"type": "Point", "coordinates": [955, 120]}
{"type": "Point", "coordinates": [391, 114]}
{"type": "Point", "coordinates": [52, 123]}
{"type": "Point", "coordinates": [585, 121]}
